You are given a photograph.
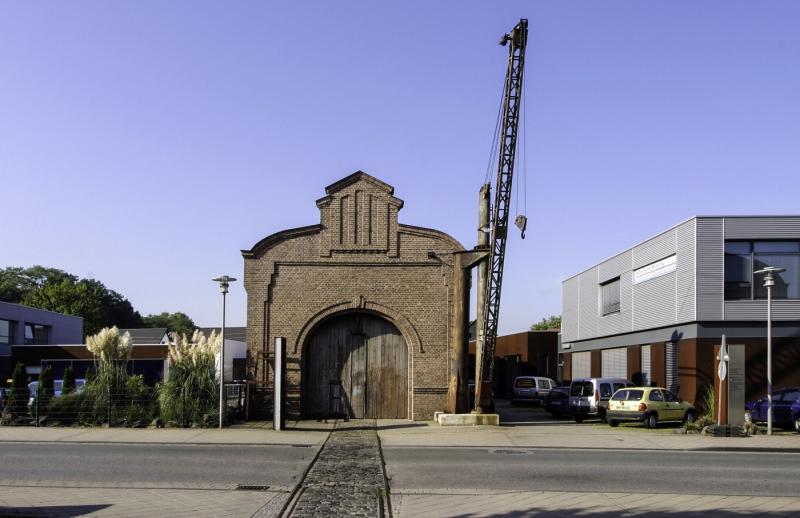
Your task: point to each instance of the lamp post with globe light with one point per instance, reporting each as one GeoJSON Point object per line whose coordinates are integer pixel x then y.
{"type": "Point", "coordinates": [224, 281]}
{"type": "Point", "coordinates": [769, 281]}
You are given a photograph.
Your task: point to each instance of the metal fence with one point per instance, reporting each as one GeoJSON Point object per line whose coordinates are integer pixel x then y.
{"type": "Point", "coordinates": [93, 406]}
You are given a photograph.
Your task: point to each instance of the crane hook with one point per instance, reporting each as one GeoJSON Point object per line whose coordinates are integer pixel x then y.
{"type": "Point", "coordinates": [522, 223]}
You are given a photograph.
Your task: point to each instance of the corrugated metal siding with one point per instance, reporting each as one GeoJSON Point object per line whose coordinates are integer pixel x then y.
{"type": "Point", "coordinates": [646, 368]}
{"type": "Point", "coordinates": [762, 228]}
{"type": "Point", "coordinates": [685, 243]}
{"type": "Point", "coordinates": [614, 363]}
{"type": "Point", "coordinates": [654, 302]}
{"type": "Point", "coordinates": [619, 266]}
{"type": "Point", "coordinates": [589, 307]}
{"type": "Point", "coordinates": [570, 310]}
{"type": "Point", "coordinates": [710, 269]}
{"type": "Point", "coordinates": [582, 365]}
{"type": "Point", "coordinates": [757, 310]}
{"type": "Point", "coordinates": [655, 249]}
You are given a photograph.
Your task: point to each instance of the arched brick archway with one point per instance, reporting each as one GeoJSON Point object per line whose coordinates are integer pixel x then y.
{"type": "Point", "coordinates": [355, 364]}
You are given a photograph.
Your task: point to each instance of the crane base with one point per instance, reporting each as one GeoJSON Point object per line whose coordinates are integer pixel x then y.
{"type": "Point", "coordinates": [467, 419]}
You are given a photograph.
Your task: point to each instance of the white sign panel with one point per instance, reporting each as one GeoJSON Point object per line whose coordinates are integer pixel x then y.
{"type": "Point", "coordinates": [653, 270]}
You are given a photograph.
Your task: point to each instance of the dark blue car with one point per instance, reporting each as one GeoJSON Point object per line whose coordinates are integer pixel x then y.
{"type": "Point", "coordinates": [557, 401]}
{"type": "Point", "coordinates": [785, 409]}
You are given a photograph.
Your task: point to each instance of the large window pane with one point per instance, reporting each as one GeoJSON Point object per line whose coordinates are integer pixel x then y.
{"type": "Point", "coordinates": [787, 284]}
{"type": "Point", "coordinates": [35, 334]}
{"type": "Point", "coordinates": [776, 246]}
{"type": "Point", "coordinates": [5, 332]}
{"type": "Point", "coordinates": [609, 294]}
{"type": "Point", "coordinates": [737, 276]}
{"type": "Point", "coordinates": [738, 247]}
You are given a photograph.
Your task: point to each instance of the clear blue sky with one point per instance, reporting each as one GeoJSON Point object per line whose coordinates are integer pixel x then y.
{"type": "Point", "coordinates": [145, 143]}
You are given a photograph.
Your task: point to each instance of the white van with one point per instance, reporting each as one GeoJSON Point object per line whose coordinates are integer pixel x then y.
{"type": "Point", "coordinates": [588, 397]}
{"type": "Point", "coordinates": [531, 388]}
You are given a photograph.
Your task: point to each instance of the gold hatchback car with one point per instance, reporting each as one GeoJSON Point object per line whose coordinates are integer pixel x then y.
{"type": "Point", "coordinates": [649, 405]}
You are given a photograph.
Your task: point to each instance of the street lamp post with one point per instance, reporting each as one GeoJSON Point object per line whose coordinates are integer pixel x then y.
{"type": "Point", "coordinates": [224, 281]}
{"type": "Point", "coordinates": [769, 281]}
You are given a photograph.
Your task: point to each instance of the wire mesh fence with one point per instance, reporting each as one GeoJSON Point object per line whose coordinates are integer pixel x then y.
{"type": "Point", "coordinates": [93, 405]}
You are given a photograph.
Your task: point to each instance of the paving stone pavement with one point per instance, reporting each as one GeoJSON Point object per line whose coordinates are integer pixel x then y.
{"type": "Point", "coordinates": [553, 504]}
{"type": "Point", "coordinates": [347, 478]}
{"type": "Point", "coordinates": [58, 502]}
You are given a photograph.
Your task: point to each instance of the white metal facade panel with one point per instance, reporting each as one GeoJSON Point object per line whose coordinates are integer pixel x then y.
{"type": "Point", "coordinates": [614, 363]}
{"type": "Point", "coordinates": [646, 368]}
{"type": "Point", "coordinates": [581, 365]}
{"type": "Point", "coordinates": [684, 281]}
{"type": "Point", "coordinates": [710, 269]}
{"type": "Point", "coordinates": [570, 309]}
{"type": "Point", "coordinates": [589, 304]}
{"type": "Point", "coordinates": [652, 250]}
{"type": "Point", "coordinates": [654, 302]}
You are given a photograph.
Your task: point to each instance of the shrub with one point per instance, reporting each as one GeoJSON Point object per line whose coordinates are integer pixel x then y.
{"type": "Point", "coordinates": [45, 391]}
{"type": "Point", "coordinates": [18, 399]}
{"type": "Point", "coordinates": [68, 384]}
{"type": "Point", "coordinates": [190, 394]}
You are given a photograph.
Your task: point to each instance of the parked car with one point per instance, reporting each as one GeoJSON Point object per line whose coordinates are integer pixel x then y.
{"type": "Point", "coordinates": [531, 389]}
{"type": "Point", "coordinates": [785, 409]}
{"type": "Point", "coordinates": [33, 387]}
{"type": "Point", "coordinates": [649, 405]}
{"type": "Point", "coordinates": [556, 403]}
{"type": "Point", "coordinates": [588, 397]}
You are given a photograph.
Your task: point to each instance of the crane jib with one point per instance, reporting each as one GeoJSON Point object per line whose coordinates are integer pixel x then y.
{"type": "Point", "coordinates": [516, 41]}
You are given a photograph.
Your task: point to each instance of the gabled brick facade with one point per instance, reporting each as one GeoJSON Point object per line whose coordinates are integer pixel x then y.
{"type": "Point", "coordinates": [358, 259]}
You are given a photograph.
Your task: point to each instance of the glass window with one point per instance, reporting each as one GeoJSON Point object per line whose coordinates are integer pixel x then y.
{"type": "Point", "coordinates": [523, 383]}
{"type": "Point", "coordinates": [618, 386]}
{"type": "Point", "coordinates": [776, 246]}
{"type": "Point", "coordinates": [35, 334]}
{"type": "Point", "coordinates": [543, 384]}
{"type": "Point", "coordinates": [635, 395]}
{"type": "Point", "coordinates": [787, 284]}
{"type": "Point", "coordinates": [581, 388]}
{"type": "Point", "coordinates": [5, 332]}
{"type": "Point", "coordinates": [738, 275]}
{"type": "Point", "coordinates": [620, 395]}
{"type": "Point", "coordinates": [609, 295]}
{"type": "Point", "coordinates": [742, 258]}
{"type": "Point", "coordinates": [791, 395]}
{"type": "Point", "coordinates": [605, 390]}
{"type": "Point", "coordinates": [655, 395]}
{"type": "Point", "coordinates": [672, 398]}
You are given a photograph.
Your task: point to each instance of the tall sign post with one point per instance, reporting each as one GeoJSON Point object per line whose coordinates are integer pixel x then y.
{"type": "Point", "coordinates": [278, 417]}
{"type": "Point", "coordinates": [722, 373]}
{"type": "Point", "coordinates": [224, 283]}
{"type": "Point", "coordinates": [769, 281]}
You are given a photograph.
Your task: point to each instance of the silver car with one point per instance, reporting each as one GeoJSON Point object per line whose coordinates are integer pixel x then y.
{"type": "Point", "coordinates": [531, 388]}
{"type": "Point", "coordinates": [588, 397]}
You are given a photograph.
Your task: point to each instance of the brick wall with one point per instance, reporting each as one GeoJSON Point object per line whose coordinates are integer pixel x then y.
{"type": "Point", "coordinates": [359, 258]}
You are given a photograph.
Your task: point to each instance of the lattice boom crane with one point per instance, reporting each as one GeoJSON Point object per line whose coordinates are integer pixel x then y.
{"type": "Point", "coordinates": [516, 42]}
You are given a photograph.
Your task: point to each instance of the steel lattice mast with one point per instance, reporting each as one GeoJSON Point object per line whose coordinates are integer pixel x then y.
{"type": "Point", "coordinates": [516, 42]}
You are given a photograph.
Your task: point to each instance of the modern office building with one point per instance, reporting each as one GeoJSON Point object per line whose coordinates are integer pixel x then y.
{"type": "Point", "coordinates": [653, 313]}
{"type": "Point", "coordinates": [28, 331]}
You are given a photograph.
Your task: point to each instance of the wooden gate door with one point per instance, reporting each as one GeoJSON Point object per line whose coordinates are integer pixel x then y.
{"type": "Point", "coordinates": [356, 365]}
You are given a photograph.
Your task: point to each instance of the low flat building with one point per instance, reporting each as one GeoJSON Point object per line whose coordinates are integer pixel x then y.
{"type": "Point", "coordinates": [27, 334]}
{"type": "Point", "coordinates": [654, 313]}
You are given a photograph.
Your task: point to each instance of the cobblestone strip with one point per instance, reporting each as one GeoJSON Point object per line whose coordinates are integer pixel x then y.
{"type": "Point", "coordinates": [347, 478]}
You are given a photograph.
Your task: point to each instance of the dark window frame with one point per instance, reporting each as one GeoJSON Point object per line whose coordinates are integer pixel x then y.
{"type": "Point", "coordinates": [10, 336]}
{"type": "Point", "coordinates": [34, 339]}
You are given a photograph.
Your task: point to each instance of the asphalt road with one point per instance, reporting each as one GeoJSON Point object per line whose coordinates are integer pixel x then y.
{"type": "Point", "coordinates": [153, 465]}
{"type": "Point", "coordinates": [723, 473]}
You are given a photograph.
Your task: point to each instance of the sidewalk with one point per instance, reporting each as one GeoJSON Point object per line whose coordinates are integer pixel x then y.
{"type": "Point", "coordinates": [304, 433]}
{"type": "Point", "coordinates": [570, 435]}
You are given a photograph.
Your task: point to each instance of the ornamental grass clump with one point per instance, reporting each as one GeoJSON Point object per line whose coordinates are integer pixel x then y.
{"type": "Point", "coordinates": [189, 395]}
{"type": "Point", "coordinates": [111, 394]}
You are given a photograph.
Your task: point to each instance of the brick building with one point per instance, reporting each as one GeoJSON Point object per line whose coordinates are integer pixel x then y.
{"type": "Point", "coordinates": [364, 303]}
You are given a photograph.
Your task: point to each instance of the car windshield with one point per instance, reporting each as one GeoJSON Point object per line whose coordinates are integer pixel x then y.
{"type": "Point", "coordinates": [620, 395]}
{"type": "Point", "coordinates": [582, 388]}
{"type": "Point", "coordinates": [628, 395]}
{"type": "Point", "coordinates": [523, 383]}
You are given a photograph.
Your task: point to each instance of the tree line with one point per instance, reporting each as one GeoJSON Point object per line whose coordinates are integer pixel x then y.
{"type": "Point", "coordinates": [56, 290]}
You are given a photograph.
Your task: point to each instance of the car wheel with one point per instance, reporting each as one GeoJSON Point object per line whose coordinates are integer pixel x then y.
{"type": "Point", "coordinates": [797, 423]}
{"type": "Point", "coordinates": [651, 420]}
{"type": "Point", "coordinates": [748, 416]}
{"type": "Point", "coordinates": [613, 424]}
{"type": "Point", "coordinates": [578, 419]}
{"type": "Point", "coordinates": [689, 417]}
